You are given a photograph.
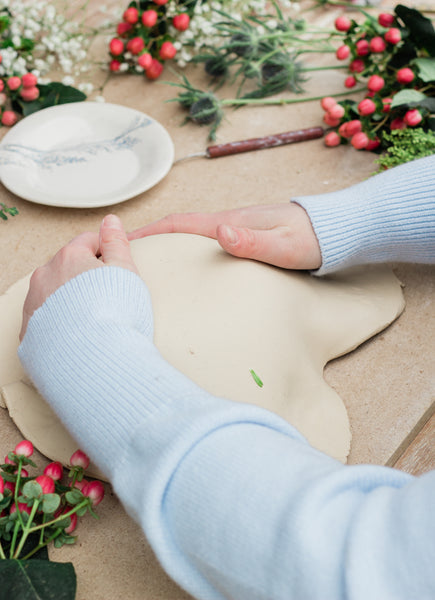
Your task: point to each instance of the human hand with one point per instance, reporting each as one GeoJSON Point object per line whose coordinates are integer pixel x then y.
{"type": "Point", "coordinates": [278, 234]}
{"type": "Point", "coordinates": [85, 252]}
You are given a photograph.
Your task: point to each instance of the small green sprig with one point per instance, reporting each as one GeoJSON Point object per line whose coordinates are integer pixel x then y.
{"type": "Point", "coordinates": [7, 210]}
{"type": "Point", "coordinates": [405, 145]}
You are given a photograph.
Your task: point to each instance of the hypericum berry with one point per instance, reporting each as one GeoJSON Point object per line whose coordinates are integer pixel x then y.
{"type": "Point", "coordinates": [373, 144]}
{"type": "Point", "coordinates": [342, 52]}
{"type": "Point", "coordinates": [413, 117]}
{"type": "Point", "coordinates": [155, 70]}
{"type": "Point", "coordinates": [72, 525]}
{"type": "Point", "coordinates": [357, 66]}
{"type": "Point", "coordinates": [385, 19]}
{"type": "Point", "coordinates": [28, 94]}
{"type": "Point", "coordinates": [29, 80]}
{"type": "Point", "coordinates": [342, 130]}
{"type": "Point", "coordinates": [149, 18]}
{"type": "Point", "coordinates": [46, 483]}
{"type": "Point", "coordinates": [9, 485]}
{"type": "Point", "coordinates": [377, 44]}
{"type": "Point", "coordinates": [135, 45]}
{"type": "Point", "coordinates": [181, 21]}
{"type": "Point", "coordinates": [405, 75]}
{"type": "Point", "coordinates": [360, 140]}
{"type": "Point", "coordinates": [332, 139]}
{"type": "Point", "coordinates": [393, 36]}
{"type": "Point", "coordinates": [366, 107]}
{"type": "Point", "coordinates": [123, 28]}
{"type": "Point", "coordinates": [350, 81]}
{"type": "Point", "coordinates": [145, 60]}
{"type": "Point", "coordinates": [2, 85]}
{"type": "Point", "coordinates": [397, 123]}
{"type": "Point", "coordinates": [116, 46]}
{"type": "Point", "coordinates": [79, 459]}
{"type": "Point", "coordinates": [54, 470]}
{"type": "Point", "coordinates": [160, 2]}
{"type": "Point", "coordinates": [328, 102]}
{"type": "Point", "coordinates": [336, 111]}
{"type": "Point", "coordinates": [131, 15]}
{"type": "Point", "coordinates": [24, 448]}
{"type": "Point", "coordinates": [167, 51]}
{"type": "Point", "coordinates": [386, 104]}
{"type": "Point", "coordinates": [375, 83]}
{"type": "Point", "coordinates": [353, 127]}
{"type": "Point", "coordinates": [79, 484]}
{"type": "Point", "coordinates": [331, 121]}
{"type": "Point", "coordinates": [362, 47]}
{"type": "Point", "coordinates": [14, 82]}
{"type": "Point", "coordinates": [2, 485]}
{"type": "Point", "coordinates": [95, 491]}
{"type": "Point", "coordinates": [24, 473]}
{"type": "Point", "coordinates": [22, 507]}
{"type": "Point", "coordinates": [114, 65]}
{"type": "Point", "coordinates": [342, 24]}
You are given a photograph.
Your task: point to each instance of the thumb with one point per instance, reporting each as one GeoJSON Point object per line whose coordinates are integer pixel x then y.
{"type": "Point", "coordinates": [272, 246]}
{"type": "Point", "coordinates": [114, 246]}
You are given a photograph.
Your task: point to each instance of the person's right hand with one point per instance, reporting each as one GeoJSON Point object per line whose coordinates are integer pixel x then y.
{"type": "Point", "coordinates": [278, 234]}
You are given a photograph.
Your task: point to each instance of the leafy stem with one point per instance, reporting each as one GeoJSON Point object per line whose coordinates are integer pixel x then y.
{"type": "Point", "coordinates": [27, 529]}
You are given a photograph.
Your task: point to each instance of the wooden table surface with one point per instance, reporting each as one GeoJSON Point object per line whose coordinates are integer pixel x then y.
{"type": "Point", "coordinates": [387, 384]}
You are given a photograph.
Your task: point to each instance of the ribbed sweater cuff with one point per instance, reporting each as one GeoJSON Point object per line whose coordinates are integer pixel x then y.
{"type": "Point", "coordinates": [389, 217]}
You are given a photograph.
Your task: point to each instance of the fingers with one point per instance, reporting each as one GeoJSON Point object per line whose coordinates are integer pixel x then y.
{"type": "Point", "coordinates": [199, 223]}
{"type": "Point", "coordinates": [114, 246]}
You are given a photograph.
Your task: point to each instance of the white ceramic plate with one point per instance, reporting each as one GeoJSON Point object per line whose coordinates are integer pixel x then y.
{"type": "Point", "coordinates": [85, 154]}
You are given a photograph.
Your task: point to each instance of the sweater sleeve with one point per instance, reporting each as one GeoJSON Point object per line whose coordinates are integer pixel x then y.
{"type": "Point", "coordinates": [389, 217]}
{"type": "Point", "coordinates": [232, 499]}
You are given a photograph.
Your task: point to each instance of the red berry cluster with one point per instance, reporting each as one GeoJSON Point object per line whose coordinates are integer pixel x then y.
{"type": "Point", "coordinates": [12, 88]}
{"type": "Point", "coordinates": [144, 38]}
{"type": "Point", "coordinates": [382, 56]}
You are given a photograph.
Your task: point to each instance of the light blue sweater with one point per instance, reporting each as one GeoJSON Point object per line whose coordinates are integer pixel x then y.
{"type": "Point", "coordinates": [233, 500]}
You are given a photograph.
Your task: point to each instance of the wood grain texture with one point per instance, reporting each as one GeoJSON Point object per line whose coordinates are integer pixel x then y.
{"type": "Point", "coordinates": [416, 454]}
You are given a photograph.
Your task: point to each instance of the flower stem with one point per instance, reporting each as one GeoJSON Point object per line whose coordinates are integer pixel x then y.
{"type": "Point", "coordinates": [27, 529]}
{"type": "Point", "coordinates": [77, 507]}
{"type": "Point", "coordinates": [14, 539]}
{"type": "Point", "coordinates": [42, 543]}
{"type": "Point", "coordinates": [324, 68]}
{"type": "Point", "coordinates": [16, 490]}
{"type": "Point", "coordinates": [242, 101]}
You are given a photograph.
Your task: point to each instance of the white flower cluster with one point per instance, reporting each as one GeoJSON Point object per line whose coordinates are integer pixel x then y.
{"type": "Point", "coordinates": [58, 41]}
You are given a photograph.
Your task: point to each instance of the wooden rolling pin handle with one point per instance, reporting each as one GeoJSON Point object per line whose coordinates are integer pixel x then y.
{"type": "Point", "coordinates": [289, 137]}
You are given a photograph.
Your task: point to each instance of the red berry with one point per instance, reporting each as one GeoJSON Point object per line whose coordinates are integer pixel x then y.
{"type": "Point", "coordinates": [413, 117]}
{"type": "Point", "coordinates": [342, 130]}
{"type": "Point", "coordinates": [72, 525]}
{"type": "Point", "coordinates": [362, 47]}
{"type": "Point", "coordinates": [29, 94]}
{"type": "Point", "coordinates": [155, 70]}
{"type": "Point", "coordinates": [54, 470]}
{"type": "Point", "coordinates": [360, 140]}
{"type": "Point", "coordinates": [114, 65]}
{"type": "Point", "coordinates": [135, 45]}
{"type": "Point", "coordinates": [366, 107]}
{"type": "Point", "coordinates": [116, 46]}
{"type": "Point", "coordinates": [95, 491]}
{"type": "Point", "coordinates": [145, 60]}
{"type": "Point", "coordinates": [14, 83]}
{"type": "Point", "coordinates": [397, 123]}
{"type": "Point", "coordinates": [342, 52]}
{"type": "Point", "coordinates": [373, 144]}
{"type": "Point", "coordinates": [375, 83]}
{"type": "Point", "coordinates": [131, 15]}
{"type": "Point", "coordinates": [332, 139]}
{"type": "Point", "coordinates": [160, 2]}
{"type": "Point", "coordinates": [393, 36]}
{"type": "Point", "coordinates": [79, 459]}
{"type": "Point", "coordinates": [149, 18]}
{"type": "Point", "coordinates": [336, 111]}
{"type": "Point", "coordinates": [331, 121]}
{"type": "Point", "coordinates": [357, 66]}
{"type": "Point", "coordinates": [2, 85]}
{"type": "Point", "coordinates": [123, 28]}
{"type": "Point", "coordinates": [22, 507]}
{"type": "Point", "coordinates": [342, 24]}
{"type": "Point", "coordinates": [167, 51]}
{"type": "Point", "coordinates": [405, 75]}
{"type": "Point", "coordinates": [377, 44]}
{"type": "Point", "coordinates": [353, 127]}
{"type": "Point", "coordinates": [350, 81]}
{"type": "Point", "coordinates": [327, 102]}
{"type": "Point", "coordinates": [181, 21]}
{"type": "Point", "coordinates": [28, 80]}
{"type": "Point", "coordinates": [24, 448]}
{"type": "Point", "coordinates": [2, 485]}
{"type": "Point", "coordinates": [385, 19]}
{"type": "Point", "coordinates": [47, 484]}
{"type": "Point", "coordinates": [1, 58]}
{"type": "Point", "coordinates": [386, 104]}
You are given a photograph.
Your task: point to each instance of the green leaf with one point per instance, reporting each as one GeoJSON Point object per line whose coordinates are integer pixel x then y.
{"type": "Point", "coordinates": [37, 580]}
{"type": "Point", "coordinates": [421, 30]}
{"type": "Point", "coordinates": [407, 97]}
{"type": "Point", "coordinates": [32, 489]}
{"type": "Point", "coordinates": [256, 378]}
{"type": "Point", "coordinates": [50, 503]}
{"type": "Point", "coordinates": [426, 68]}
{"type": "Point", "coordinates": [74, 497]}
{"type": "Point", "coordinates": [51, 94]}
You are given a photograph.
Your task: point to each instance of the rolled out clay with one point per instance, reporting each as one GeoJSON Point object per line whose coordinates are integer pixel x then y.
{"type": "Point", "coordinates": [241, 329]}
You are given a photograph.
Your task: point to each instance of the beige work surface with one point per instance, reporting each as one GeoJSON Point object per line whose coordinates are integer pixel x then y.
{"type": "Point", "coordinates": [387, 384]}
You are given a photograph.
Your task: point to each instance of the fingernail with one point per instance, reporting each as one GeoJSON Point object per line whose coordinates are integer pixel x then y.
{"type": "Point", "coordinates": [112, 221]}
{"type": "Point", "coordinates": [230, 234]}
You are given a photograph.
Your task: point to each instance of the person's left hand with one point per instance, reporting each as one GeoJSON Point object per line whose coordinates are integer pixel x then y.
{"type": "Point", "coordinates": [85, 252]}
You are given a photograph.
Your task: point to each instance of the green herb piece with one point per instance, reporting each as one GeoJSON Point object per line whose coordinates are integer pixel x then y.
{"type": "Point", "coordinates": [405, 145]}
{"type": "Point", "coordinates": [6, 210]}
{"type": "Point", "coordinates": [256, 378]}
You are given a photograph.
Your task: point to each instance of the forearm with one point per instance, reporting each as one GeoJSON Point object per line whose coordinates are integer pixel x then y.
{"type": "Point", "coordinates": [388, 217]}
